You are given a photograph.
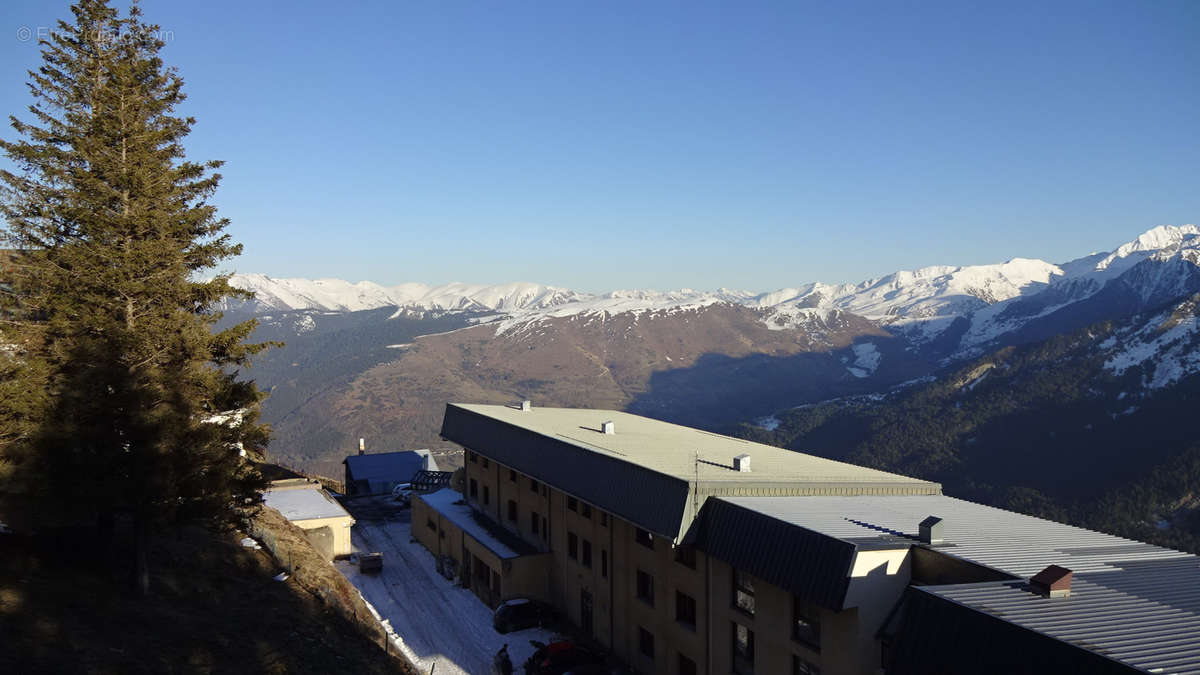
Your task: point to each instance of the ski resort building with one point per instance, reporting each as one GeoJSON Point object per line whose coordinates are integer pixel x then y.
{"type": "Point", "coordinates": [324, 521]}
{"type": "Point", "coordinates": [689, 552]}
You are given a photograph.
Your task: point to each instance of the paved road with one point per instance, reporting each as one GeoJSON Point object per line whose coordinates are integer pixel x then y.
{"type": "Point", "coordinates": [440, 624]}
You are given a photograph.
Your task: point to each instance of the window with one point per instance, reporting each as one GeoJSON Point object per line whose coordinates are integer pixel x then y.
{"type": "Point", "coordinates": [604, 563]}
{"type": "Point", "coordinates": [430, 524]}
{"type": "Point", "coordinates": [585, 510]}
{"type": "Point", "coordinates": [686, 556]}
{"type": "Point", "coordinates": [485, 462]}
{"type": "Point", "coordinates": [533, 522]}
{"type": "Point", "coordinates": [806, 627]}
{"type": "Point", "coordinates": [472, 456]}
{"type": "Point", "coordinates": [743, 592]}
{"type": "Point", "coordinates": [545, 529]}
{"type": "Point", "coordinates": [645, 642]}
{"type": "Point", "coordinates": [645, 588]}
{"type": "Point", "coordinates": [587, 554]}
{"type": "Point", "coordinates": [487, 495]}
{"type": "Point", "coordinates": [686, 666]}
{"type": "Point", "coordinates": [644, 538]}
{"type": "Point", "coordinates": [572, 546]}
{"type": "Point", "coordinates": [474, 488]}
{"type": "Point", "coordinates": [743, 649]}
{"type": "Point", "coordinates": [533, 485]}
{"type": "Point", "coordinates": [604, 518]}
{"type": "Point", "coordinates": [512, 511]}
{"type": "Point", "coordinates": [802, 667]}
{"type": "Point", "coordinates": [572, 504]}
{"type": "Point", "coordinates": [512, 475]}
{"type": "Point", "coordinates": [685, 609]}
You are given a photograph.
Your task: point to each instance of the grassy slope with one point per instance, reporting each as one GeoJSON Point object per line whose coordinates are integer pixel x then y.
{"type": "Point", "coordinates": [214, 608]}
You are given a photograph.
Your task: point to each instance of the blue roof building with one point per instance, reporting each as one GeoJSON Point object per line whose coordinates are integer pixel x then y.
{"type": "Point", "coordinates": [378, 473]}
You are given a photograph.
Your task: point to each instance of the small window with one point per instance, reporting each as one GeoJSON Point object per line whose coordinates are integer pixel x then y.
{"type": "Point", "coordinates": [644, 538]}
{"type": "Point", "coordinates": [686, 666]}
{"type": "Point", "coordinates": [585, 510]}
{"type": "Point", "coordinates": [512, 475]}
{"type": "Point", "coordinates": [545, 529]}
{"type": "Point", "coordinates": [685, 609]}
{"type": "Point", "coordinates": [586, 554]}
{"type": "Point", "coordinates": [472, 456]}
{"type": "Point", "coordinates": [533, 522]}
{"type": "Point", "coordinates": [474, 489]}
{"type": "Point", "coordinates": [431, 525]}
{"type": "Point", "coordinates": [512, 510]}
{"type": "Point", "coordinates": [487, 495]}
{"type": "Point", "coordinates": [572, 546]}
{"type": "Point", "coordinates": [533, 485]}
{"type": "Point", "coordinates": [645, 642]}
{"type": "Point", "coordinates": [806, 628]}
{"type": "Point", "coordinates": [604, 518]}
{"type": "Point", "coordinates": [645, 588]}
{"type": "Point", "coordinates": [686, 556]}
{"type": "Point", "coordinates": [545, 491]}
{"type": "Point", "coordinates": [802, 667]}
{"type": "Point", "coordinates": [743, 592]}
{"type": "Point", "coordinates": [572, 504]}
{"type": "Point", "coordinates": [604, 563]}
{"type": "Point", "coordinates": [743, 649]}
{"type": "Point", "coordinates": [485, 462]}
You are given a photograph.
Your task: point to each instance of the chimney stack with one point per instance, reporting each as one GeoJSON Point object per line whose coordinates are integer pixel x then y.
{"type": "Point", "coordinates": [1052, 582]}
{"type": "Point", "coordinates": [526, 406]}
{"type": "Point", "coordinates": [933, 530]}
{"type": "Point", "coordinates": [608, 427]}
{"type": "Point", "coordinates": [362, 446]}
{"type": "Point", "coordinates": [742, 463]}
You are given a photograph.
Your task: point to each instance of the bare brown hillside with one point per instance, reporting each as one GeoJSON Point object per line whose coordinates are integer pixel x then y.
{"type": "Point", "coordinates": [586, 361]}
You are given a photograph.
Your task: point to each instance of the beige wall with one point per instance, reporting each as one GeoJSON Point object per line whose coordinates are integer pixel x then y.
{"type": "Point", "coordinates": [340, 526]}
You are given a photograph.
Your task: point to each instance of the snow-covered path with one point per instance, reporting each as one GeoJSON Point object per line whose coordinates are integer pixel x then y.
{"type": "Point", "coordinates": [438, 622]}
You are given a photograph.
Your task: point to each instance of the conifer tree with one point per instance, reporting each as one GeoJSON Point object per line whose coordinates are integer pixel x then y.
{"type": "Point", "coordinates": [118, 396]}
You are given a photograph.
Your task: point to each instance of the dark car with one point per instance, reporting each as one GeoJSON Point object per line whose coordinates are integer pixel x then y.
{"type": "Point", "coordinates": [519, 613]}
{"type": "Point", "coordinates": [562, 657]}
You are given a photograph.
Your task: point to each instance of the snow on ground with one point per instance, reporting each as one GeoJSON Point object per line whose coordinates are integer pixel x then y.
{"type": "Point", "coordinates": [435, 621]}
{"type": "Point", "coordinates": [770, 423]}
{"type": "Point", "coordinates": [1172, 352]}
{"type": "Point", "coordinates": [866, 359]}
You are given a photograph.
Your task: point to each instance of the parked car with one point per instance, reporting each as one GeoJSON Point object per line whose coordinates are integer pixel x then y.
{"type": "Point", "coordinates": [402, 493]}
{"type": "Point", "coordinates": [562, 657]}
{"type": "Point", "coordinates": [519, 613]}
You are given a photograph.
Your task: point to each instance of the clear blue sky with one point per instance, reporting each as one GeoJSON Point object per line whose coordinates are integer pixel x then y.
{"type": "Point", "coordinates": [601, 145]}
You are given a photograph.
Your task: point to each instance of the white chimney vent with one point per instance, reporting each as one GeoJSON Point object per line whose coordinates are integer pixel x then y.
{"type": "Point", "coordinates": [526, 406]}
{"type": "Point", "coordinates": [742, 463]}
{"type": "Point", "coordinates": [362, 445]}
{"type": "Point", "coordinates": [608, 427]}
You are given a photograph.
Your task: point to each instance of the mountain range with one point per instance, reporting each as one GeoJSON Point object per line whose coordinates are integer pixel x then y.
{"type": "Point", "coordinates": [378, 361]}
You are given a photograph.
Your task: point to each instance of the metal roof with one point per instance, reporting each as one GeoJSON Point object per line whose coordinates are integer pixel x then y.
{"type": "Point", "coordinates": [388, 466]}
{"type": "Point", "coordinates": [304, 504]}
{"type": "Point", "coordinates": [646, 470]}
{"type": "Point", "coordinates": [1011, 542]}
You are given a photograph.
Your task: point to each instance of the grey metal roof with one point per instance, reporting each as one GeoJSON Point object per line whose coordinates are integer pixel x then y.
{"type": "Point", "coordinates": [1011, 542]}
{"type": "Point", "coordinates": [388, 466]}
{"type": "Point", "coordinates": [806, 563]}
{"type": "Point", "coordinates": [1147, 615]}
{"type": "Point", "coordinates": [645, 471]}
{"type": "Point", "coordinates": [304, 504]}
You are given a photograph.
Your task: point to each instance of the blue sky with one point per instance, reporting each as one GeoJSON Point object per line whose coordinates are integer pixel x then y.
{"type": "Point", "coordinates": [600, 145]}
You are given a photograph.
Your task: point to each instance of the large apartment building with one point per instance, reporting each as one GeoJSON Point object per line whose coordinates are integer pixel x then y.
{"type": "Point", "coordinates": [689, 552]}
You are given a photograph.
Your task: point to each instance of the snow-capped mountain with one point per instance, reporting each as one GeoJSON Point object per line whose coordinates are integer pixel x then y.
{"type": "Point", "coordinates": [336, 295]}
{"type": "Point", "coordinates": [960, 310]}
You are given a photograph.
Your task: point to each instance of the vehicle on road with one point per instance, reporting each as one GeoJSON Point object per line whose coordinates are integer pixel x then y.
{"type": "Point", "coordinates": [562, 657]}
{"type": "Point", "coordinates": [519, 613]}
{"type": "Point", "coordinates": [403, 493]}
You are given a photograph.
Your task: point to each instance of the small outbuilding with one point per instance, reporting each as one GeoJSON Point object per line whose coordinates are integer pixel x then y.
{"type": "Point", "coordinates": [310, 508]}
{"type": "Point", "coordinates": [378, 473]}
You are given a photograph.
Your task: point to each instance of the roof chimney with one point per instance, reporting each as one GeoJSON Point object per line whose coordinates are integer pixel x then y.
{"type": "Point", "coordinates": [933, 530]}
{"type": "Point", "coordinates": [362, 446]}
{"type": "Point", "coordinates": [1052, 582]}
{"type": "Point", "coordinates": [526, 406]}
{"type": "Point", "coordinates": [742, 463]}
{"type": "Point", "coordinates": [608, 427]}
